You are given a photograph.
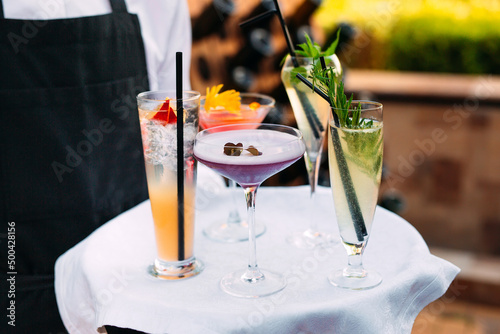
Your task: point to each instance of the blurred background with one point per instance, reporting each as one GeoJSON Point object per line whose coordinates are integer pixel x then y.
{"type": "Point", "coordinates": [435, 65]}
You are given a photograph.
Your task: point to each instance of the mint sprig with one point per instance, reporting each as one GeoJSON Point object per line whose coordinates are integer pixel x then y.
{"type": "Point", "coordinates": [313, 50]}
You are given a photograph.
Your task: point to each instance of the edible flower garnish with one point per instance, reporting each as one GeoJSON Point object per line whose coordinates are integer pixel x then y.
{"type": "Point", "coordinates": [235, 150]}
{"type": "Point", "coordinates": [254, 105]}
{"type": "Point", "coordinates": [165, 114]}
{"type": "Point", "coordinates": [229, 100]}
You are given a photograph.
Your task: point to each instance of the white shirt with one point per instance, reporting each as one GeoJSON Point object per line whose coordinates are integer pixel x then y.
{"type": "Point", "coordinates": [165, 27]}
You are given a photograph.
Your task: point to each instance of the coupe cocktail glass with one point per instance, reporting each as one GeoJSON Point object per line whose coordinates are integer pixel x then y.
{"type": "Point", "coordinates": [254, 108]}
{"type": "Point", "coordinates": [174, 240]}
{"type": "Point", "coordinates": [264, 151]}
{"type": "Point", "coordinates": [355, 161]}
{"type": "Point", "coordinates": [311, 113]}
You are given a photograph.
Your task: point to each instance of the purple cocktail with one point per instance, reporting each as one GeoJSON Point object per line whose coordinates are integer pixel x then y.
{"type": "Point", "coordinates": [249, 169]}
{"type": "Point", "coordinates": [249, 155]}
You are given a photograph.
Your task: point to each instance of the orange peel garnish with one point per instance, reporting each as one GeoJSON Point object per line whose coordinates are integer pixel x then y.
{"type": "Point", "coordinates": [229, 100]}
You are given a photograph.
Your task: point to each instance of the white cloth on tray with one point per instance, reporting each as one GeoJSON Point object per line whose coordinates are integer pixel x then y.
{"type": "Point", "coordinates": [103, 280]}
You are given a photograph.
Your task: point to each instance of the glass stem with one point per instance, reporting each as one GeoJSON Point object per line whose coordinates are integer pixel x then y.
{"type": "Point", "coordinates": [355, 266]}
{"type": "Point", "coordinates": [234, 216]}
{"type": "Point", "coordinates": [313, 182]}
{"type": "Point", "coordinates": [252, 274]}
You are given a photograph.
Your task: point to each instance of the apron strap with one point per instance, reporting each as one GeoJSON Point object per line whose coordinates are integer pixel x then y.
{"type": "Point", "coordinates": [118, 6]}
{"type": "Point", "coordinates": [1, 10]}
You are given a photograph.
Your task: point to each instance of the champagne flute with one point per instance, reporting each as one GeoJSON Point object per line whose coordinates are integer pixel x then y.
{"type": "Point", "coordinates": [249, 154]}
{"type": "Point", "coordinates": [355, 162]}
{"type": "Point", "coordinates": [311, 113]}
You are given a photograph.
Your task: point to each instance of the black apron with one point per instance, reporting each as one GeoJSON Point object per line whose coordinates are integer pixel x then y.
{"type": "Point", "coordinates": [71, 154]}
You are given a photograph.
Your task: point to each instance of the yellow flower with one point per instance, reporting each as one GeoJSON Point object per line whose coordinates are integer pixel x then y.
{"type": "Point", "coordinates": [229, 100]}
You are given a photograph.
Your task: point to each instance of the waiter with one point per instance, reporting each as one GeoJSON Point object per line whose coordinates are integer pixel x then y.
{"type": "Point", "coordinates": [71, 154]}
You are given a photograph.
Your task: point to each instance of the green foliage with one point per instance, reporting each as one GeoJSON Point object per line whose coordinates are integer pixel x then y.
{"type": "Point", "coordinates": [313, 49]}
{"type": "Point", "coordinates": [333, 87]}
{"type": "Point", "coordinates": [364, 148]}
{"type": "Point", "coordinates": [438, 44]}
{"type": "Point", "coordinates": [456, 36]}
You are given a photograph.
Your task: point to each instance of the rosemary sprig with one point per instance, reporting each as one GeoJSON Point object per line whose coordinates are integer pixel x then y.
{"type": "Point", "coordinates": [349, 117]}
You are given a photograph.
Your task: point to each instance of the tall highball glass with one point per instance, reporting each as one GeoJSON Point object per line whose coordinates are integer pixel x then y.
{"type": "Point", "coordinates": [174, 237]}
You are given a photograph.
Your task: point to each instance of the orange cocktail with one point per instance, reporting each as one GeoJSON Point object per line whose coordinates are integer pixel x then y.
{"type": "Point", "coordinates": [163, 197]}
{"type": "Point", "coordinates": [173, 207]}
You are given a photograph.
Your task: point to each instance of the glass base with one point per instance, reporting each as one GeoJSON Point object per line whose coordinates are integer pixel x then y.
{"type": "Point", "coordinates": [308, 239]}
{"type": "Point", "coordinates": [368, 280]}
{"type": "Point", "coordinates": [176, 270]}
{"type": "Point", "coordinates": [264, 283]}
{"type": "Point", "coordinates": [224, 231]}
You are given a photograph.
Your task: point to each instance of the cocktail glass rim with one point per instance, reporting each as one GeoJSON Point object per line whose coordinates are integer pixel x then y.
{"type": "Point", "coordinates": [250, 126]}
{"type": "Point", "coordinates": [377, 105]}
{"type": "Point", "coordinates": [168, 93]}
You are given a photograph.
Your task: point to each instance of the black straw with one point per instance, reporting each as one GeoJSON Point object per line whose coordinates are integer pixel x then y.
{"type": "Point", "coordinates": [350, 193]}
{"type": "Point", "coordinates": [257, 18]}
{"type": "Point", "coordinates": [286, 33]}
{"type": "Point", "coordinates": [316, 89]}
{"type": "Point", "coordinates": [334, 114]}
{"type": "Point", "coordinates": [288, 39]}
{"type": "Point", "coordinates": [311, 116]}
{"type": "Point", "coordinates": [180, 156]}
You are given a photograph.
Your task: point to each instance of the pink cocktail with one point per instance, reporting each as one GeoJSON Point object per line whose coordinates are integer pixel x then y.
{"type": "Point", "coordinates": [253, 108]}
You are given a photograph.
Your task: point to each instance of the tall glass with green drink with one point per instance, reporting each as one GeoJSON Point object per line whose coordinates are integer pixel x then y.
{"type": "Point", "coordinates": [311, 113]}
{"type": "Point", "coordinates": [355, 153]}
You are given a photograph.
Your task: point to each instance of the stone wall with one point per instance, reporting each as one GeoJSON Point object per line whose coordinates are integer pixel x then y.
{"type": "Point", "coordinates": [442, 154]}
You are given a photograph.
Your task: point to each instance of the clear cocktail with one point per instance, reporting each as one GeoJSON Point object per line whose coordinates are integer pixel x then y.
{"type": "Point", "coordinates": [355, 160]}
{"type": "Point", "coordinates": [311, 113]}
{"type": "Point", "coordinates": [174, 236]}
{"type": "Point", "coordinates": [249, 156]}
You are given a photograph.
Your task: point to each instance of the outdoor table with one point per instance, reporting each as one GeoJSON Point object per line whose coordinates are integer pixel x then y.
{"type": "Point", "coordinates": [103, 280]}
